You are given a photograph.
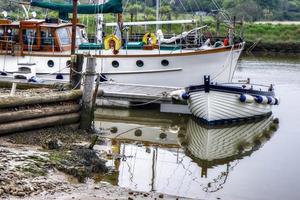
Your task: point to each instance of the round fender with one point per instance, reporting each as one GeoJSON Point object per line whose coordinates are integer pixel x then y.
{"type": "Point", "coordinates": [261, 99]}
{"type": "Point", "coordinates": [277, 101]}
{"type": "Point", "coordinates": [246, 98]}
{"type": "Point", "coordinates": [271, 100]}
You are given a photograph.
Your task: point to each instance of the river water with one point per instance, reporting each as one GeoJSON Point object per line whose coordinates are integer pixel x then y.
{"type": "Point", "coordinates": [172, 154]}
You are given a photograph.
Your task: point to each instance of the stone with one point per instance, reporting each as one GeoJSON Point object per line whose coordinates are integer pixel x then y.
{"type": "Point", "coordinates": [53, 144]}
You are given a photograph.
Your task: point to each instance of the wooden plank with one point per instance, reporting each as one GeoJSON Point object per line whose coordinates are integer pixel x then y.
{"type": "Point", "coordinates": [137, 92]}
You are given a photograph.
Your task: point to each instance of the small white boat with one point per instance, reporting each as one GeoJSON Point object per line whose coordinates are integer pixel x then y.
{"type": "Point", "coordinates": [215, 104]}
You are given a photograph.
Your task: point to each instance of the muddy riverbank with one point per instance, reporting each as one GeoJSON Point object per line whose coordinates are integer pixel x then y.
{"type": "Point", "coordinates": [57, 164]}
{"type": "Point", "coordinates": [272, 47]}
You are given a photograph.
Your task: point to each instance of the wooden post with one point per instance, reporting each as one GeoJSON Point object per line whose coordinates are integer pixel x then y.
{"type": "Point", "coordinates": [75, 74]}
{"type": "Point", "coordinates": [13, 89]}
{"type": "Point", "coordinates": [87, 97]}
{"type": "Point", "coordinates": [73, 44]}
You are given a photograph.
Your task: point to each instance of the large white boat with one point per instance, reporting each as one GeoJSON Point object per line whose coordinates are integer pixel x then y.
{"type": "Point", "coordinates": [44, 47]}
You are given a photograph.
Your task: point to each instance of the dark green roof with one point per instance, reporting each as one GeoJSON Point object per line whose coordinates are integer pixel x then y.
{"type": "Point", "coordinates": [112, 6]}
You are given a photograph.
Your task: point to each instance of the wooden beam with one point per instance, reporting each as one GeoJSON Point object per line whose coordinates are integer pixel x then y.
{"type": "Point", "coordinates": [13, 116]}
{"type": "Point", "coordinates": [39, 123]}
{"type": "Point", "coordinates": [9, 102]}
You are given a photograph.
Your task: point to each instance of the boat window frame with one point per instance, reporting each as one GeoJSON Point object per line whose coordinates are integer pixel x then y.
{"type": "Point", "coordinates": [52, 46]}
{"type": "Point", "coordinates": [67, 31]}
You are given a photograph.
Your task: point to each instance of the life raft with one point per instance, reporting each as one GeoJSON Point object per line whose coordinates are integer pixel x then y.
{"type": "Point", "coordinates": [112, 42]}
{"type": "Point", "coordinates": [153, 39]}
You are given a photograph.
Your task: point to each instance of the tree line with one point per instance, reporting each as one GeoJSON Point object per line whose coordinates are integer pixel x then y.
{"type": "Point", "coordinates": [250, 10]}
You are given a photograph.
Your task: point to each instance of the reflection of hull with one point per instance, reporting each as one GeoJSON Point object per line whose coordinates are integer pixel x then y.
{"type": "Point", "coordinates": [148, 163]}
{"type": "Point", "coordinates": [134, 127]}
{"type": "Point", "coordinates": [164, 68]}
{"type": "Point", "coordinates": [217, 104]}
{"type": "Point", "coordinates": [222, 145]}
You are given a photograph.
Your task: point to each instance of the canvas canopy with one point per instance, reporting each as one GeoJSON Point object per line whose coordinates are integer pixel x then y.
{"type": "Point", "coordinates": [112, 6]}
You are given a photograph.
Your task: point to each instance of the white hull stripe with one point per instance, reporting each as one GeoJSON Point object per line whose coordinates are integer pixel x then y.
{"type": "Point", "coordinates": [143, 72]}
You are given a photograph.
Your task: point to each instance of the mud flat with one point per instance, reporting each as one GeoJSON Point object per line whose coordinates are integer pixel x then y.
{"type": "Point", "coordinates": [56, 163]}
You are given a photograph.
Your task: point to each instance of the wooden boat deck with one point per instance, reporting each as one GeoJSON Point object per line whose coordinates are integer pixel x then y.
{"type": "Point", "coordinates": [137, 93]}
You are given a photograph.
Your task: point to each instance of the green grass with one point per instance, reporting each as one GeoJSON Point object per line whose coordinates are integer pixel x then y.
{"type": "Point", "coordinates": [269, 33]}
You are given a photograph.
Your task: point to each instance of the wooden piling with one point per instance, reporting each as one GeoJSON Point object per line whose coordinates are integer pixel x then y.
{"type": "Point", "coordinates": [76, 69]}
{"type": "Point", "coordinates": [87, 97]}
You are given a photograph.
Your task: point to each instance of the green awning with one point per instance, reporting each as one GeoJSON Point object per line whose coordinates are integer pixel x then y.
{"type": "Point", "coordinates": [90, 46]}
{"type": "Point", "coordinates": [112, 6]}
{"type": "Point", "coordinates": [134, 45]}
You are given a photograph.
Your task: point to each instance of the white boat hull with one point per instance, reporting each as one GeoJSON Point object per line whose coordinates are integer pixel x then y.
{"type": "Point", "coordinates": [186, 67]}
{"type": "Point", "coordinates": [217, 107]}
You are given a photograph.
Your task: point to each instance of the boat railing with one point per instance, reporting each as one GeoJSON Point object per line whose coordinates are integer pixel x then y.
{"type": "Point", "coordinates": [247, 83]}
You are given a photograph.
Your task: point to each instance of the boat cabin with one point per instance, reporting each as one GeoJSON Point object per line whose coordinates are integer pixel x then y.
{"type": "Point", "coordinates": [48, 35]}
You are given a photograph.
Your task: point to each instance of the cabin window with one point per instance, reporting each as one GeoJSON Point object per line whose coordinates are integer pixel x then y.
{"type": "Point", "coordinates": [47, 37]}
{"type": "Point", "coordinates": [13, 34]}
{"type": "Point", "coordinates": [84, 36]}
{"type": "Point", "coordinates": [29, 36]}
{"type": "Point", "coordinates": [64, 37]}
{"type": "Point", "coordinates": [1, 34]}
{"type": "Point", "coordinates": [78, 37]}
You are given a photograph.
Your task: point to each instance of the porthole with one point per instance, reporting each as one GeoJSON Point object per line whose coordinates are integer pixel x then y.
{"type": "Point", "coordinates": [165, 63]}
{"type": "Point", "coordinates": [138, 133]}
{"type": "Point", "coordinates": [140, 63]}
{"type": "Point", "coordinates": [113, 129]}
{"type": "Point", "coordinates": [50, 63]}
{"type": "Point", "coordinates": [115, 64]}
{"type": "Point", "coordinates": [162, 136]}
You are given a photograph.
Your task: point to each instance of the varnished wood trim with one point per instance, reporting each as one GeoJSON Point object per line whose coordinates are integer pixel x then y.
{"type": "Point", "coordinates": [200, 52]}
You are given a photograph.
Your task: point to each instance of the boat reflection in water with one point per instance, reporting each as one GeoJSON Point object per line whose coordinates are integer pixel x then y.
{"type": "Point", "coordinates": [174, 154]}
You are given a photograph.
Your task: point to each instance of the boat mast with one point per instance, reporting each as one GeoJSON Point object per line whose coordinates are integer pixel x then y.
{"type": "Point", "coordinates": [100, 20]}
{"type": "Point", "coordinates": [73, 42]}
{"type": "Point", "coordinates": [157, 13]}
{"type": "Point", "coordinates": [74, 24]}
